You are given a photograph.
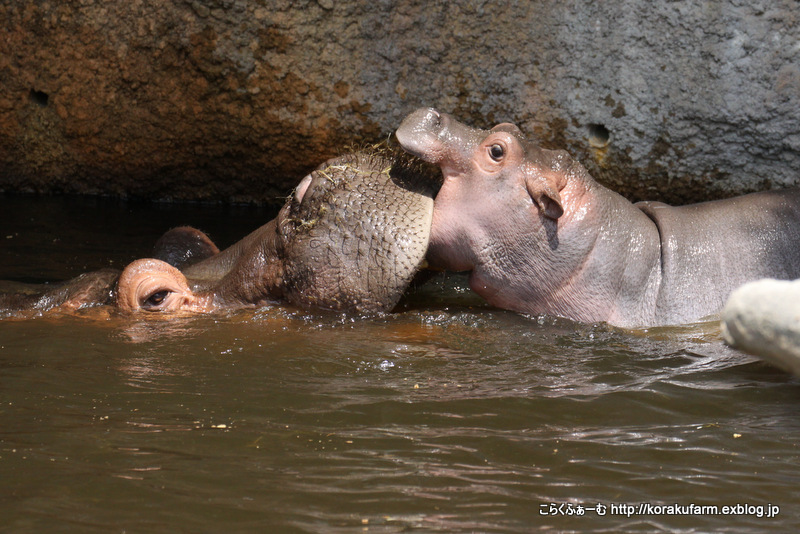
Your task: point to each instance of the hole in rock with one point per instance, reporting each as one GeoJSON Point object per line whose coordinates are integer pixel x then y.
{"type": "Point", "coordinates": [39, 97]}
{"type": "Point", "coordinates": [599, 136]}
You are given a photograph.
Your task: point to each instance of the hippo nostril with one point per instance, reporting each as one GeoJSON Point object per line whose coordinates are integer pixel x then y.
{"type": "Point", "coordinates": [434, 117]}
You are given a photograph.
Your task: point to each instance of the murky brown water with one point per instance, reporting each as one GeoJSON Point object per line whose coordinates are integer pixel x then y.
{"type": "Point", "coordinates": [448, 416]}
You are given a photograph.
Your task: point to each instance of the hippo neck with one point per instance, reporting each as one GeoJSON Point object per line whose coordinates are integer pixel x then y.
{"type": "Point", "coordinates": [619, 279]}
{"type": "Point", "coordinates": [248, 272]}
{"type": "Point", "coordinates": [209, 271]}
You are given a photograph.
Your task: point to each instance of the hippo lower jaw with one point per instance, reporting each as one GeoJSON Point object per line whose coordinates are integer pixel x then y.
{"type": "Point", "coordinates": [358, 233]}
{"type": "Point", "coordinates": [445, 249]}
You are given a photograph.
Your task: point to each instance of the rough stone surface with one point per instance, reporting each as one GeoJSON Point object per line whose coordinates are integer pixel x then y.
{"type": "Point", "coordinates": [763, 319]}
{"type": "Point", "coordinates": [238, 99]}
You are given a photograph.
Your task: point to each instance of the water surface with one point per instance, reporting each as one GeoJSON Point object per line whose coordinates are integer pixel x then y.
{"type": "Point", "coordinates": [447, 416]}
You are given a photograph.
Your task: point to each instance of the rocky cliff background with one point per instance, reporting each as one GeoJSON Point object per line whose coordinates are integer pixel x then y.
{"type": "Point", "coordinates": [236, 100]}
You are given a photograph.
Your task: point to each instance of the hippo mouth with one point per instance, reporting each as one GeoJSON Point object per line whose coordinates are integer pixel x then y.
{"type": "Point", "coordinates": [357, 231]}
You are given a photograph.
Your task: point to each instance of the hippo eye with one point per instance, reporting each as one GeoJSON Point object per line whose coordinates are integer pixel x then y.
{"type": "Point", "coordinates": [155, 300]}
{"type": "Point", "coordinates": [496, 152]}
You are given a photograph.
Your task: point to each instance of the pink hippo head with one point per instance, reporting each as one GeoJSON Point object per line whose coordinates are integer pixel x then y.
{"type": "Point", "coordinates": [524, 220]}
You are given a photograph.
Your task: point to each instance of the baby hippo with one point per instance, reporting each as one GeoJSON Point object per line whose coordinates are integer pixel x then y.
{"type": "Point", "coordinates": [539, 235]}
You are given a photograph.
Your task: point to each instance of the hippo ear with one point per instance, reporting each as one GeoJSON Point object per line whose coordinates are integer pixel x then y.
{"type": "Point", "coordinates": [544, 193]}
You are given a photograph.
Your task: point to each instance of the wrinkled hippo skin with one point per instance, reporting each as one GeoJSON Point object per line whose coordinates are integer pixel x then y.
{"type": "Point", "coordinates": [539, 235]}
{"type": "Point", "coordinates": [350, 238]}
{"type": "Point", "coordinates": [763, 318]}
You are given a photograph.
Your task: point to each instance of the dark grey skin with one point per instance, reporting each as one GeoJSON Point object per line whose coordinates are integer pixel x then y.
{"type": "Point", "coordinates": [539, 235]}
{"type": "Point", "coordinates": [350, 238]}
{"type": "Point", "coordinates": [184, 246]}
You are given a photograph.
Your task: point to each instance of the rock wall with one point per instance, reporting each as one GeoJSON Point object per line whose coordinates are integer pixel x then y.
{"type": "Point", "coordinates": [238, 99]}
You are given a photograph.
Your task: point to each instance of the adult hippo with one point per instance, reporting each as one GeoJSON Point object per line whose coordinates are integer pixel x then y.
{"type": "Point", "coordinates": [180, 247]}
{"type": "Point", "coordinates": [350, 238]}
{"type": "Point", "coordinates": [539, 235]}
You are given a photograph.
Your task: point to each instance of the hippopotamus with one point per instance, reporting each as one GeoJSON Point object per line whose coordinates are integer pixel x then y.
{"type": "Point", "coordinates": [539, 235]}
{"type": "Point", "coordinates": [180, 247]}
{"type": "Point", "coordinates": [350, 238]}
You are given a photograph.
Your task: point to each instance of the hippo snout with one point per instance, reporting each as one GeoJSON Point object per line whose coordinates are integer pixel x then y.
{"type": "Point", "coordinates": [419, 134]}
{"type": "Point", "coordinates": [426, 119]}
{"type": "Point", "coordinates": [438, 137]}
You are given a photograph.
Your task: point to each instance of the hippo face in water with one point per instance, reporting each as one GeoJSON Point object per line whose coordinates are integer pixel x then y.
{"type": "Point", "coordinates": [350, 238]}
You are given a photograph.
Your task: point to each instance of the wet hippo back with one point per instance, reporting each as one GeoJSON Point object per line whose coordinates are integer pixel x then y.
{"type": "Point", "coordinates": [724, 243]}
{"type": "Point", "coordinates": [84, 291]}
{"type": "Point", "coordinates": [359, 233]}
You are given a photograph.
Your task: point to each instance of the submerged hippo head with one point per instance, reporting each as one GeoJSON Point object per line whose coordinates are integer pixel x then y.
{"type": "Point", "coordinates": [350, 238]}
